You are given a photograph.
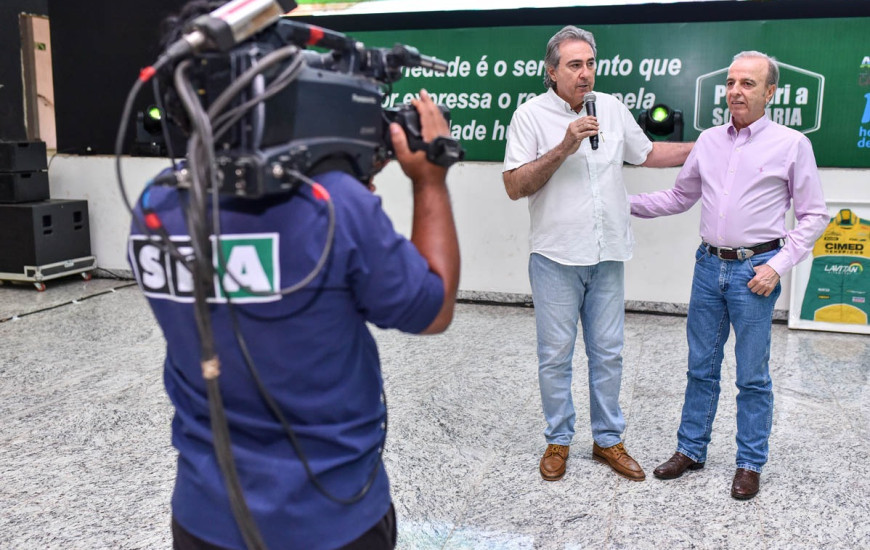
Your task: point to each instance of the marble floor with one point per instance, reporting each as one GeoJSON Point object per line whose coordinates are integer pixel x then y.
{"type": "Point", "coordinates": [86, 462]}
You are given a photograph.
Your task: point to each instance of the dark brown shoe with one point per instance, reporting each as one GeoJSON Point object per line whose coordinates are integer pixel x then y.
{"type": "Point", "coordinates": [618, 458]}
{"type": "Point", "coordinates": [745, 484]}
{"type": "Point", "coordinates": [675, 466]}
{"type": "Point", "coordinates": [554, 461]}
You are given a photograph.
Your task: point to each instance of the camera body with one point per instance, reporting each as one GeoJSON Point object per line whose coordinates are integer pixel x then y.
{"type": "Point", "coordinates": [329, 117]}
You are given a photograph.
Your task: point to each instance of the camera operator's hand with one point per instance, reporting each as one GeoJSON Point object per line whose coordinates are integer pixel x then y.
{"type": "Point", "coordinates": [433, 231]}
{"type": "Point", "coordinates": [432, 124]}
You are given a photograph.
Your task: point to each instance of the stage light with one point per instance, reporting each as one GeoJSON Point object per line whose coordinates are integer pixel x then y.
{"type": "Point", "coordinates": [149, 132]}
{"type": "Point", "coordinates": [150, 139]}
{"type": "Point", "coordinates": [154, 113]}
{"type": "Point", "coordinates": [152, 119]}
{"type": "Point", "coordinates": [661, 123]}
{"type": "Point", "coordinates": [660, 113]}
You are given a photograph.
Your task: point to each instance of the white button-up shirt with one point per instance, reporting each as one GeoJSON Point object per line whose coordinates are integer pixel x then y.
{"type": "Point", "coordinates": [581, 215]}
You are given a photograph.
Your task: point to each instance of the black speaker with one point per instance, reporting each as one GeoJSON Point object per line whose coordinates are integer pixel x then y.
{"type": "Point", "coordinates": [23, 175]}
{"type": "Point", "coordinates": [23, 186]}
{"type": "Point", "coordinates": [41, 233]}
{"type": "Point", "coordinates": [22, 156]}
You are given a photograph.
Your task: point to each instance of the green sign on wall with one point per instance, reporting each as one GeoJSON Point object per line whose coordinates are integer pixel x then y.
{"type": "Point", "coordinates": [824, 76]}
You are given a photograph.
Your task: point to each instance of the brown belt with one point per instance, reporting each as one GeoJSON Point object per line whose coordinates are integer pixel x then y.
{"type": "Point", "coordinates": [743, 252]}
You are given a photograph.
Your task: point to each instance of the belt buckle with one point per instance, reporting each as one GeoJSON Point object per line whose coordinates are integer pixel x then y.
{"type": "Point", "coordinates": [744, 254]}
{"type": "Point", "coordinates": [720, 249]}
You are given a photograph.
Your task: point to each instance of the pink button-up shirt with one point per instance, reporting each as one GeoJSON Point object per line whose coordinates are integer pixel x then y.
{"type": "Point", "coordinates": [746, 181]}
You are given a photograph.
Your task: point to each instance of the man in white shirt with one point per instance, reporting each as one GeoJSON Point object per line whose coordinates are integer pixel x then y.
{"type": "Point", "coordinates": [579, 240]}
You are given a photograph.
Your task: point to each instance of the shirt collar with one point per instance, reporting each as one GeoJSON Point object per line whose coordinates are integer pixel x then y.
{"type": "Point", "coordinates": [560, 103]}
{"type": "Point", "coordinates": [753, 128]}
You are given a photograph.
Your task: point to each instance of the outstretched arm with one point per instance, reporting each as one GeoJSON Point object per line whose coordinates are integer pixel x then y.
{"type": "Point", "coordinates": [433, 230]}
{"type": "Point", "coordinates": [686, 190]}
{"type": "Point", "coordinates": [668, 153]}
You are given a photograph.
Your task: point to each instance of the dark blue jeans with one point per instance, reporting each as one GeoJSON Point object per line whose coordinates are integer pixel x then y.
{"type": "Point", "coordinates": [720, 299]}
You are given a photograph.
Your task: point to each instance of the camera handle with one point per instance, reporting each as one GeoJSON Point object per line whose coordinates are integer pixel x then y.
{"type": "Point", "coordinates": [444, 151]}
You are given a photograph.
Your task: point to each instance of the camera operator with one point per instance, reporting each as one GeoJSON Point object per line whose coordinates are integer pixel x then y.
{"type": "Point", "coordinates": [311, 349]}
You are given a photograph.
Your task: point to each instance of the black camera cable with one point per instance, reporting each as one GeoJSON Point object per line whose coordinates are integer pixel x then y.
{"type": "Point", "coordinates": [202, 168]}
{"type": "Point", "coordinates": [285, 78]}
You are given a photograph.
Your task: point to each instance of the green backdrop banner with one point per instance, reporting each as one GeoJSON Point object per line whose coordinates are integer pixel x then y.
{"type": "Point", "coordinates": [824, 76]}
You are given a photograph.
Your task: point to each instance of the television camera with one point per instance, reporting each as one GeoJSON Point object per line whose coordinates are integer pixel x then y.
{"type": "Point", "coordinates": [277, 109]}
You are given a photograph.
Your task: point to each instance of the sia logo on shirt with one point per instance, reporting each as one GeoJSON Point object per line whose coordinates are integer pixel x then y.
{"type": "Point", "coordinates": [248, 269]}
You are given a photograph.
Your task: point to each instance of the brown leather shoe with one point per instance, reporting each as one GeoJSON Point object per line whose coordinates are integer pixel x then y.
{"type": "Point", "coordinates": [675, 466]}
{"type": "Point", "coordinates": [554, 461]}
{"type": "Point", "coordinates": [745, 484]}
{"type": "Point", "coordinates": [617, 458]}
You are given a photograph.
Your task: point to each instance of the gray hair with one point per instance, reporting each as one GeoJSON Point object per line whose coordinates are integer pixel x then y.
{"type": "Point", "coordinates": [772, 66]}
{"type": "Point", "coordinates": [568, 33]}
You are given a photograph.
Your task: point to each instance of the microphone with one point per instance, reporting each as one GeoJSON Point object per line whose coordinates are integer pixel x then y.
{"type": "Point", "coordinates": [228, 25]}
{"type": "Point", "coordinates": [589, 103]}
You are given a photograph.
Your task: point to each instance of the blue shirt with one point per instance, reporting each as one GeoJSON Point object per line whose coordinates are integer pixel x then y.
{"type": "Point", "coordinates": [312, 349]}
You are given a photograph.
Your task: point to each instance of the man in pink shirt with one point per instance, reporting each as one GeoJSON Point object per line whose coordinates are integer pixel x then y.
{"type": "Point", "coordinates": [746, 173]}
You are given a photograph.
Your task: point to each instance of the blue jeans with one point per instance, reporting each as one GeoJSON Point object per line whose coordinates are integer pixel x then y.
{"type": "Point", "coordinates": [720, 298]}
{"type": "Point", "coordinates": [594, 294]}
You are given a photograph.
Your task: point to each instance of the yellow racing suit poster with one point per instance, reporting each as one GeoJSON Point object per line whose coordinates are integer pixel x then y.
{"type": "Point", "coordinates": [839, 282]}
